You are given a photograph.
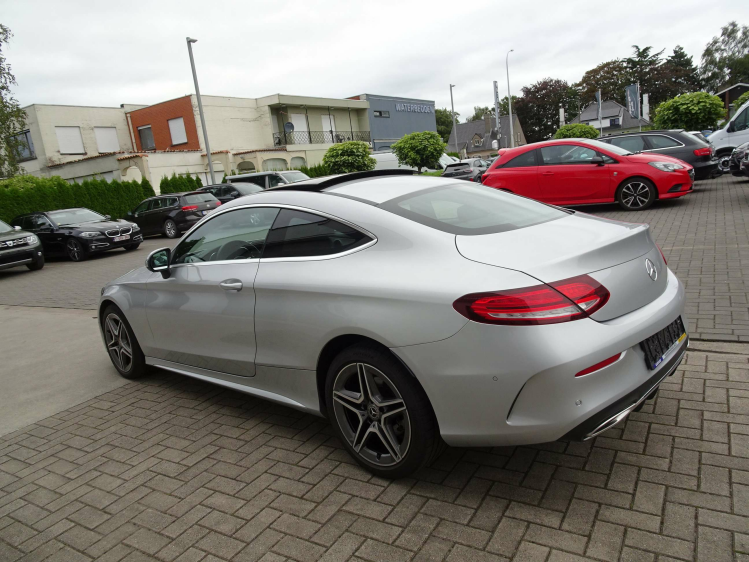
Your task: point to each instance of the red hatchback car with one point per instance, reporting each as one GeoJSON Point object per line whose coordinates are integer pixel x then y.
{"type": "Point", "coordinates": [583, 171]}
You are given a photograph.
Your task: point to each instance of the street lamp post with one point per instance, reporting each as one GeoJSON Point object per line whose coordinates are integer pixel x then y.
{"type": "Point", "coordinates": [455, 128]}
{"type": "Point", "coordinates": [200, 109]}
{"type": "Point", "coordinates": [509, 97]}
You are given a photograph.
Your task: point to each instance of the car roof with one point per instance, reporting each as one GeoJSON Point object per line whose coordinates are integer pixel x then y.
{"type": "Point", "coordinates": [254, 174]}
{"type": "Point", "coordinates": [654, 131]}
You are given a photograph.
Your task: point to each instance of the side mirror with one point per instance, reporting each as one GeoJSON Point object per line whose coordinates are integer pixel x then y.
{"type": "Point", "coordinates": [129, 214]}
{"type": "Point", "coordinates": [597, 160]}
{"type": "Point", "coordinates": [158, 260]}
{"type": "Point", "coordinates": [16, 228]}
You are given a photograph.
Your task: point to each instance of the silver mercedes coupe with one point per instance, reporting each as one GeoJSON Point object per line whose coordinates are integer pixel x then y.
{"type": "Point", "coordinates": [409, 311]}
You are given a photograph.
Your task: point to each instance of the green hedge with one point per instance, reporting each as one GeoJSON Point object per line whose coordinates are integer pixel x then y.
{"type": "Point", "coordinates": [26, 194]}
{"type": "Point", "coordinates": [179, 184]}
{"type": "Point", "coordinates": [316, 171]}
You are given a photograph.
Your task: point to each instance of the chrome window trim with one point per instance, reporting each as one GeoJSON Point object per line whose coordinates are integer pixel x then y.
{"type": "Point", "coordinates": [218, 213]}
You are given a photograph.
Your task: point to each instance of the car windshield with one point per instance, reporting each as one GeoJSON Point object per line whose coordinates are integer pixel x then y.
{"type": "Point", "coordinates": [194, 198]}
{"type": "Point", "coordinates": [247, 188]}
{"type": "Point", "coordinates": [605, 146]}
{"type": "Point", "coordinates": [465, 208]}
{"type": "Point", "coordinates": [292, 177]}
{"type": "Point", "coordinates": [74, 216]}
{"type": "Point", "coordinates": [5, 227]}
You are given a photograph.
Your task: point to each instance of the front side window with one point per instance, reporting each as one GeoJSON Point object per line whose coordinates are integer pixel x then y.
{"type": "Point", "coordinates": [629, 144]}
{"type": "Point", "coordinates": [567, 154]}
{"type": "Point", "coordinates": [471, 209]}
{"type": "Point", "coordinates": [525, 160]}
{"type": "Point", "coordinates": [141, 208]}
{"type": "Point", "coordinates": [36, 222]}
{"type": "Point", "coordinates": [234, 235]}
{"type": "Point", "coordinates": [662, 141]}
{"type": "Point", "coordinates": [274, 180]}
{"type": "Point", "coordinates": [301, 234]}
{"type": "Point", "coordinates": [741, 123]}
{"type": "Point", "coordinates": [146, 138]}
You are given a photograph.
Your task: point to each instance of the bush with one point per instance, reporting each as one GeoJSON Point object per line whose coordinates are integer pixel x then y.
{"type": "Point", "coordinates": [27, 194]}
{"type": "Point", "coordinates": [148, 191]}
{"type": "Point", "coordinates": [316, 171]}
{"type": "Point", "coordinates": [577, 131]}
{"type": "Point", "coordinates": [347, 157]}
{"type": "Point", "coordinates": [742, 99]}
{"type": "Point", "coordinates": [419, 150]}
{"type": "Point", "coordinates": [454, 155]}
{"type": "Point", "coordinates": [693, 112]}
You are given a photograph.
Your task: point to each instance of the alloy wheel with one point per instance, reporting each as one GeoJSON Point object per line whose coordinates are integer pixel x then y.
{"type": "Point", "coordinates": [724, 164]}
{"type": "Point", "coordinates": [171, 229]}
{"type": "Point", "coordinates": [635, 195]}
{"type": "Point", "coordinates": [371, 414]}
{"type": "Point", "coordinates": [118, 342]}
{"type": "Point", "coordinates": [75, 251]}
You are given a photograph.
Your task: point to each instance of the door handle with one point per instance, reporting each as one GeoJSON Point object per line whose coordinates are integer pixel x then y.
{"type": "Point", "coordinates": [231, 285]}
{"type": "Point", "coordinates": [547, 173]}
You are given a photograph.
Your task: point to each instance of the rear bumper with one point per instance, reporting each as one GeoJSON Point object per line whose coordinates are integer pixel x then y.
{"type": "Point", "coordinates": [703, 170]}
{"type": "Point", "coordinates": [515, 385]}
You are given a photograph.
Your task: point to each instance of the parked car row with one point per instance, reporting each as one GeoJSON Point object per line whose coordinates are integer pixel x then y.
{"type": "Point", "coordinates": [739, 162]}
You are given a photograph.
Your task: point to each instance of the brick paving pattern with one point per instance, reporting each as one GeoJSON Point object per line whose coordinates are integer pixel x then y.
{"type": "Point", "coordinates": [171, 469]}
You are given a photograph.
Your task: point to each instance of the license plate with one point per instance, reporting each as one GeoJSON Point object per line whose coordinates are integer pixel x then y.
{"type": "Point", "coordinates": [121, 238]}
{"type": "Point", "coordinates": [657, 346]}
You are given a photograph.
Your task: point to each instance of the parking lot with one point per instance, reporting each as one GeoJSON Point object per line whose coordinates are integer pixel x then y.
{"type": "Point", "coordinates": [167, 468]}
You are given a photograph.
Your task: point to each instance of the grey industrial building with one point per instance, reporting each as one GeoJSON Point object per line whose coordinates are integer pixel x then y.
{"type": "Point", "coordinates": [392, 117]}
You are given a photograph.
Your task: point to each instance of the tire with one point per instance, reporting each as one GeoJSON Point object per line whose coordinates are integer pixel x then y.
{"type": "Point", "coordinates": [75, 250]}
{"type": "Point", "coordinates": [170, 229]}
{"type": "Point", "coordinates": [383, 438]}
{"type": "Point", "coordinates": [724, 163]}
{"type": "Point", "coordinates": [132, 247]}
{"type": "Point", "coordinates": [636, 194]}
{"type": "Point", "coordinates": [121, 342]}
{"type": "Point", "coordinates": [38, 265]}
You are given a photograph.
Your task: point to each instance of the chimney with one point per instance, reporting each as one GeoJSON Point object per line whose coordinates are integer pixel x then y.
{"type": "Point", "coordinates": [487, 124]}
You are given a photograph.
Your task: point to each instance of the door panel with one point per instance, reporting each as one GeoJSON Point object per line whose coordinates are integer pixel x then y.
{"type": "Point", "coordinates": [568, 175]}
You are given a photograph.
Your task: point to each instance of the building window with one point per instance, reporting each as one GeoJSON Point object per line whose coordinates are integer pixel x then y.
{"type": "Point", "coordinates": [23, 145]}
{"type": "Point", "coordinates": [106, 139]}
{"type": "Point", "coordinates": [614, 122]}
{"type": "Point", "coordinates": [69, 139]}
{"type": "Point", "coordinates": [146, 138]}
{"type": "Point", "coordinates": [477, 141]}
{"type": "Point", "coordinates": [382, 114]}
{"type": "Point", "coordinates": [177, 131]}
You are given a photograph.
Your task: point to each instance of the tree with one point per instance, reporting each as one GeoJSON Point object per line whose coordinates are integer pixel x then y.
{"type": "Point", "coordinates": [680, 75]}
{"type": "Point", "coordinates": [350, 156]}
{"type": "Point", "coordinates": [610, 77]}
{"type": "Point", "coordinates": [419, 150]}
{"type": "Point", "coordinates": [693, 112]}
{"type": "Point", "coordinates": [444, 119]}
{"type": "Point", "coordinates": [576, 131]}
{"type": "Point", "coordinates": [504, 108]}
{"type": "Point", "coordinates": [479, 112]}
{"type": "Point", "coordinates": [721, 54]}
{"type": "Point", "coordinates": [645, 68]}
{"type": "Point", "coordinates": [12, 117]}
{"type": "Point", "coordinates": [741, 100]}
{"type": "Point", "coordinates": [538, 108]}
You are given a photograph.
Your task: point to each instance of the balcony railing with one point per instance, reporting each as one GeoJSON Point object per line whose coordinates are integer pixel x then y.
{"type": "Point", "coordinates": [319, 137]}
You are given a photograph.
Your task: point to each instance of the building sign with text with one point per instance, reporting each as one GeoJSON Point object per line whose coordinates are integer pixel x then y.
{"type": "Point", "coordinates": [415, 108]}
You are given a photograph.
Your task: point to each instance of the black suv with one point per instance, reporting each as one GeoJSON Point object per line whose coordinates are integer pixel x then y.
{"type": "Point", "coordinates": [226, 192]}
{"type": "Point", "coordinates": [172, 214]}
{"type": "Point", "coordinates": [269, 179]}
{"type": "Point", "coordinates": [676, 143]}
{"type": "Point", "coordinates": [78, 233]}
{"type": "Point", "coordinates": [19, 248]}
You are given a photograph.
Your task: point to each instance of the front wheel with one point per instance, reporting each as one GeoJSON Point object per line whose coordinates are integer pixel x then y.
{"type": "Point", "coordinates": [75, 250]}
{"type": "Point", "coordinates": [123, 348]}
{"type": "Point", "coordinates": [724, 163]}
{"type": "Point", "coordinates": [132, 247]}
{"type": "Point", "coordinates": [170, 229]}
{"type": "Point", "coordinates": [37, 265]}
{"type": "Point", "coordinates": [380, 413]}
{"type": "Point", "coordinates": [636, 195]}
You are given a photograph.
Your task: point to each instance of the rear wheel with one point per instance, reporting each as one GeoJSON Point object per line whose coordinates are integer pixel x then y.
{"type": "Point", "coordinates": [75, 250]}
{"type": "Point", "coordinates": [636, 194]}
{"type": "Point", "coordinates": [380, 413]}
{"type": "Point", "coordinates": [170, 229]}
{"type": "Point", "coordinates": [123, 348]}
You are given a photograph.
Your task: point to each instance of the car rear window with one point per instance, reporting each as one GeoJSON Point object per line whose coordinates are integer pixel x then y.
{"type": "Point", "coordinates": [471, 209]}
{"type": "Point", "coordinates": [194, 198]}
{"type": "Point", "coordinates": [457, 167]}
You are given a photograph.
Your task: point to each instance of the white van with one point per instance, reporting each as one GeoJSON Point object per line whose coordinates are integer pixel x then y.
{"type": "Point", "coordinates": [734, 133]}
{"type": "Point", "coordinates": [386, 160]}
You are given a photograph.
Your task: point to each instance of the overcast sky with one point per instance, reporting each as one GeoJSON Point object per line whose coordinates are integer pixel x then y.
{"type": "Point", "coordinates": [106, 53]}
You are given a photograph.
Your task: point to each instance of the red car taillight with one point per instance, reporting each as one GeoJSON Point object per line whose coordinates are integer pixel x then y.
{"type": "Point", "coordinates": [707, 151]}
{"type": "Point", "coordinates": [218, 203]}
{"type": "Point", "coordinates": [601, 365]}
{"type": "Point", "coordinates": [661, 251]}
{"type": "Point", "coordinates": [190, 208]}
{"type": "Point", "coordinates": [562, 301]}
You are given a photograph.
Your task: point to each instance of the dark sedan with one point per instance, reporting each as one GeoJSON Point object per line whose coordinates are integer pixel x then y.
{"type": "Point", "coordinates": [78, 233]}
{"type": "Point", "coordinates": [18, 247]}
{"type": "Point", "coordinates": [172, 214]}
{"type": "Point", "coordinates": [739, 160]}
{"type": "Point", "coordinates": [471, 169]}
{"type": "Point", "coordinates": [226, 192]}
{"type": "Point", "coordinates": [676, 143]}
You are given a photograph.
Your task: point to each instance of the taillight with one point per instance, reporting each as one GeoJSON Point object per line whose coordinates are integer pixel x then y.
{"type": "Point", "coordinates": [661, 251]}
{"type": "Point", "coordinates": [562, 301]}
{"type": "Point", "coordinates": [707, 151]}
{"type": "Point", "coordinates": [190, 208]}
{"type": "Point", "coordinates": [218, 203]}
{"type": "Point", "coordinates": [598, 366]}
{"type": "Point", "coordinates": [484, 178]}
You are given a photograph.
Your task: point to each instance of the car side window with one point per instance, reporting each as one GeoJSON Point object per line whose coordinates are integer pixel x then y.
{"type": "Point", "coordinates": [158, 204]}
{"type": "Point", "coordinates": [171, 202]}
{"type": "Point", "coordinates": [36, 222]}
{"type": "Point", "coordinates": [662, 141]}
{"type": "Point", "coordinates": [633, 144]}
{"type": "Point", "coordinates": [274, 180]}
{"type": "Point", "coordinates": [300, 234]}
{"type": "Point", "coordinates": [567, 154]}
{"type": "Point", "coordinates": [141, 208]}
{"type": "Point", "coordinates": [525, 160]}
{"type": "Point", "coordinates": [234, 235]}
{"type": "Point", "coordinates": [741, 123]}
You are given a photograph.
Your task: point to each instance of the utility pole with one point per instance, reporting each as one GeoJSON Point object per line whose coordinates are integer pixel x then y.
{"type": "Point", "coordinates": [496, 115]}
{"type": "Point", "coordinates": [200, 109]}
{"type": "Point", "coordinates": [455, 127]}
{"type": "Point", "coordinates": [509, 98]}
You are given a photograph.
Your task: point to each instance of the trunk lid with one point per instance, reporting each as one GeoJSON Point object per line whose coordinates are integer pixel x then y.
{"type": "Point", "coordinates": [611, 252]}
